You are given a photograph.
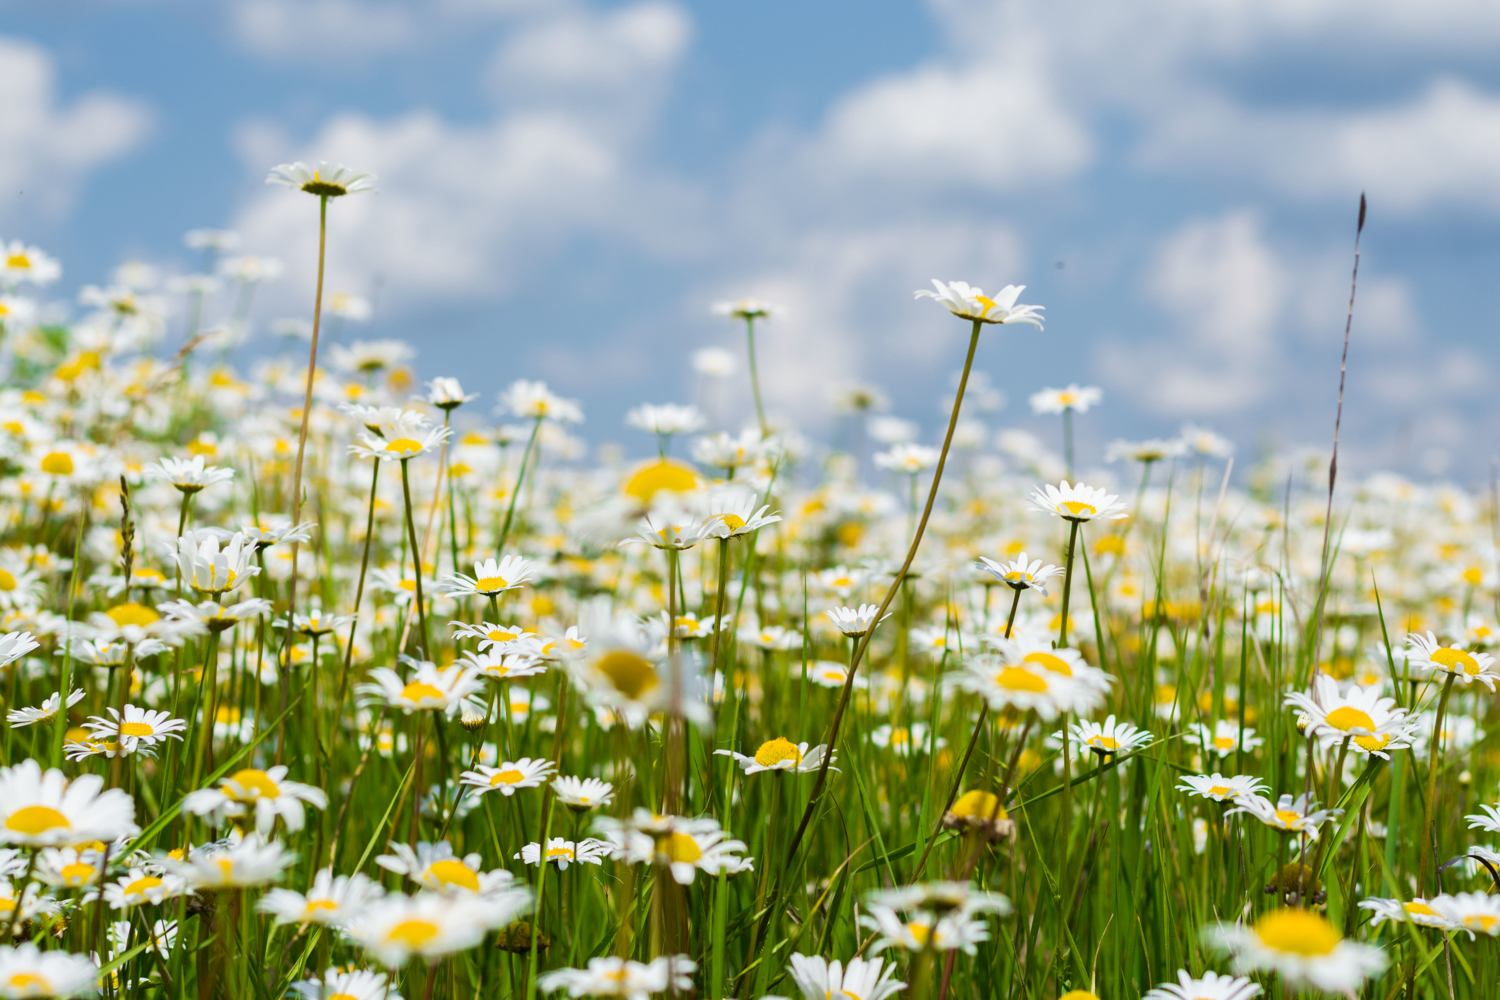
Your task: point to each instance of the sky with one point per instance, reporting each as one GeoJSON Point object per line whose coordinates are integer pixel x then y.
{"type": "Point", "coordinates": [565, 186]}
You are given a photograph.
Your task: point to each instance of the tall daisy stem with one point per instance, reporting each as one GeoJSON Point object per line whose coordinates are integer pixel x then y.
{"type": "Point", "coordinates": [1062, 629]}
{"type": "Point", "coordinates": [416, 569]}
{"type": "Point", "coordinates": [760, 410]}
{"type": "Point", "coordinates": [864, 644]}
{"type": "Point", "coordinates": [359, 591]}
{"type": "Point", "coordinates": [312, 365]}
{"type": "Point", "coordinates": [515, 494]}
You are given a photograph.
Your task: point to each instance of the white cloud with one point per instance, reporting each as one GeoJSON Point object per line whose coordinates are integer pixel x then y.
{"type": "Point", "coordinates": [1443, 147]}
{"type": "Point", "coordinates": [471, 210]}
{"type": "Point", "coordinates": [50, 147]}
{"type": "Point", "coordinates": [584, 50]}
{"type": "Point", "coordinates": [998, 125]}
{"type": "Point", "coordinates": [323, 28]}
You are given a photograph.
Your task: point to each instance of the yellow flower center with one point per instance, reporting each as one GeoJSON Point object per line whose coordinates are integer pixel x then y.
{"type": "Point", "coordinates": [1455, 661]}
{"type": "Point", "coordinates": [1224, 742]}
{"type": "Point", "coordinates": [142, 885]}
{"type": "Point", "coordinates": [136, 729]}
{"type": "Point", "coordinates": [450, 872]}
{"type": "Point", "coordinates": [632, 675]}
{"type": "Point", "coordinates": [1052, 662]}
{"type": "Point", "coordinates": [1481, 922]}
{"type": "Point", "coordinates": [33, 821]}
{"type": "Point", "coordinates": [506, 777]}
{"type": "Point", "coordinates": [1077, 508]}
{"type": "Point", "coordinates": [1017, 679]}
{"type": "Point", "coordinates": [733, 521]}
{"type": "Point", "coordinates": [1220, 790]}
{"type": "Point", "coordinates": [1289, 818]}
{"type": "Point", "coordinates": [919, 932]}
{"type": "Point", "coordinates": [413, 933]}
{"type": "Point", "coordinates": [58, 463]}
{"type": "Point", "coordinates": [491, 583]}
{"type": "Point", "coordinates": [560, 852]}
{"type": "Point", "coordinates": [318, 905]}
{"type": "Point", "coordinates": [1300, 932]}
{"type": "Point", "coordinates": [976, 804]}
{"type": "Point", "coordinates": [342, 996]}
{"type": "Point", "coordinates": [681, 847]}
{"type": "Point", "coordinates": [1347, 718]}
{"type": "Point", "coordinates": [1369, 744]}
{"type": "Point", "coordinates": [654, 477]}
{"type": "Point", "coordinates": [421, 691]}
{"type": "Point", "coordinates": [775, 751]}
{"type": "Point", "coordinates": [404, 446]}
{"type": "Point", "coordinates": [251, 784]}
{"type": "Point", "coordinates": [132, 614]}
{"type": "Point", "coordinates": [1420, 909]}
{"type": "Point", "coordinates": [77, 873]}
{"type": "Point", "coordinates": [1103, 742]}
{"type": "Point", "coordinates": [18, 260]}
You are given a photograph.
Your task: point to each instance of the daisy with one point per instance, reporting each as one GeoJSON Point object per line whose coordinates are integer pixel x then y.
{"type": "Point", "coordinates": [332, 901]}
{"type": "Point", "coordinates": [1225, 737]}
{"type": "Point", "coordinates": [912, 459]}
{"type": "Point", "coordinates": [666, 419]}
{"type": "Point", "coordinates": [40, 809]}
{"type": "Point", "coordinates": [429, 688]}
{"type": "Point", "coordinates": [326, 180]}
{"type": "Point", "coordinates": [1202, 441]}
{"type": "Point", "coordinates": [977, 809]}
{"type": "Point", "coordinates": [498, 637]}
{"type": "Point", "coordinates": [1431, 657]}
{"type": "Point", "coordinates": [1075, 397]}
{"type": "Point", "coordinates": [1078, 502]}
{"type": "Point", "coordinates": [622, 668]}
{"type": "Point", "coordinates": [1107, 739]}
{"type": "Point", "coordinates": [1019, 574]}
{"type": "Point", "coordinates": [19, 262]}
{"type": "Point", "coordinates": [533, 400]}
{"type": "Point", "coordinates": [1144, 452]}
{"type": "Point", "coordinates": [232, 864]}
{"type": "Point", "coordinates": [1418, 911]}
{"type": "Point", "coordinates": [267, 794]}
{"type": "Point", "coordinates": [670, 529]}
{"type": "Point", "coordinates": [923, 929]}
{"type": "Point", "coordinates": [1470, 911]}
{"type": "Point", "coordinates": [357, 984]}
{"type": "Point", "coordinates": [370, 356]}
{"type": "Point", "coordinates": [968, 302]}
{"type": "Point", "coordinates": [721, 451]}
{"type": "Point", "coordinates": [1301, 946]}
{"type": "Point", "coordinates": [581, 794]}
{"type": "Point", "coordinates": [826, 673]}
{"type": "Point", "coordinates": [903, 740]}
{"type": "Point", "coordinates": [509, 776]}
{"type": "Point", "coordinates": [213, 616]}
{"type": "Point", "coordinates": [503, 666]}
{"type": "Point", "coordinates": [731, 512]}
{"type": "Point", "coordinates": [189, 475]}
{"type": "Point", "coordinates": [14, 645]}
{"type": "Point", "coordinates": [435, 867]}
{"type": "Point", "coordinates": [683, 846]}
{"type": "Point", "coordinates": [855, 622]}
{"type": "Point", "coordinates": [401, 439]}
{"type": "Point", "coordinates": [492, 578]}
{"type": "Point", "coordinates": [138, 727]}
{"type": "Point", "coordinates": [27, 971]}
{"type": "Point", "coordinates": [265, 537]}
{"type": "Point", "coordinates": [398, 928]}
{"type": "Point", "coordinates": [1023, 687]}
{"type": "Point", "coordinates": [861, 979]}
{"type": "Point", "coordinates": [562, 852]}
{"type": "Point", "coordinates": [68, 867]}
{"type": "Point", "coordinates": [746, 309]}
{"type": "Point", "coordinates": [1370, 723]}
{"type": "Point", "coordinates": [1219, 788]}
{"type": "Point", "coordinates": [1299, 815]}
{"type": "Point", "coordinates": [18, 717]}
{"type": "Point", "coordinates": [1211, 986]}
{"type": "Point", "coordinates": [447, 394]}
{"type": "Point", "coordinates": [139, 887]}
{"type": "Point", "coordinates": [209, 570]}
{"type": "Point", "coordinates": [781, 755]}
{"type": "Point", "coordinates": [619, 977]}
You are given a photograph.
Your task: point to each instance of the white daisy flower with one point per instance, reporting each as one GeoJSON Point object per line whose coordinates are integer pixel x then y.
{"type": "Point", "coordinates": [1418, 911]}
{"type": "Point", "coordinates": [138, 727]}
{"type": "Point", "coordinates": [27, 971]}
{"type": "Point", "coordinates": [1210, 986]}
{"type": "Point", "coordinates": [1078, 502]}
{"type": "Point", "coordinates": [970, 302]}
{"type": "Point", "coordinates": [40, 809]}
{"type": "Point", "coordinates": [1219, 788]}
{"type": "Point", "coordinates": [1106, 739]}
{"type": "Point", "coordinates": [18, 717]}
{"type": "Point", "coordinates": [855, 622]}
{"type": "Point", "coordinates": [1075, 397]}
{"type": "Point", "coordinates": [1292, 815]}
{"type": "Point", "coordinates": [781, 754]}
{"type": "Point", "coordinates": [1300, 946]}
{"type": "Point", "coordinates": [683, 846]}
{"type": "Point", "coordinates": [1370, 723]}
{"type": "Point", "coordinates": [561, 852]}
{"type": "Point", "coordinates": [582, 794]}
{"type": "Point", "coordinates": [509, 776]}
{"type": "Point", "coordinates": [1020, 574]}
{"type": "Point", "coordinates": [1425, 653]}
{"type": "Point", "coordinates": [326, 180]}
{"type": "Point", "coordinates": [232, 865]}
{"type": "Point", "coordinates": [265, 794]}
{"type": "Point", "coordinates": [1225, 738]}
{"type": "Point", "coordinates": [860, 979]}
{"type": "Point", "coordinates": [140, 886]}
{"type": "Point", "coordinates": [332, 901]}
{"type": "Point", "coordinates": [398, 928]}
{"type": "Point", "coordinates": [356, 984]}
{"type": "Point", "coordinates": [491, 577]}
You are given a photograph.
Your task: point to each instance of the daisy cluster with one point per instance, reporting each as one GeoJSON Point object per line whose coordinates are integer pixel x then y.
{"type": "Point", "coordinates": [324, 682]}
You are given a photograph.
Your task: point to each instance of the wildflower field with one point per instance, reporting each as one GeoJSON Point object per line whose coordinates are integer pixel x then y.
{"type": "Point", "coordinates": [321, 683]}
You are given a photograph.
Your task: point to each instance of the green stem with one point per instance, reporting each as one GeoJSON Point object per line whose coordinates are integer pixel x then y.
{"type": "Point", "coordinates": [312, 364]}
{"type": "Point", "coordinates": [760, 410]}
{"type": "Point", "coordinates": [1434, 764]}
{"type": "Point", "coordinates": [416, 569]}
{"type": "Point", "coordinates": [510, 512]}
{"type": "Point", "coordinates": [1062, 630]}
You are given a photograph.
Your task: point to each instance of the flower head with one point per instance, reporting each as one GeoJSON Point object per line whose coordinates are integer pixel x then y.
{"type": "Point", "coordinates": [1302, 947]}
{"type": "Point", "coordinates": [1075, 397]}
{"type": "Point", "coordinates": [1426, 654]}
{"type": "Point", "coordinates": [324, 180]}
{"type": "Point", "coordinates": [780, 754]}
{"type": "Point", "coordinates": [45, 809]}
{"type": "Point", "coordinates": [1078, 502]}
{"type": "Point", "coordinates": [265, 794]}
{"type": "Point", "coordinates": [1020, 574]}
{"type": "Point", "coordinates": [969, 302]}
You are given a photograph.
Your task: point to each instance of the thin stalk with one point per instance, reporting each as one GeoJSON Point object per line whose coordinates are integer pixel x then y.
{"type": "Point", "coordinates": [312, 364]}
{"type": "Point", "coordinates": [411, 530]}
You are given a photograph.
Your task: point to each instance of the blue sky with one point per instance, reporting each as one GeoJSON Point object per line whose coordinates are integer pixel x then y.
{"type": "Point", "coordinates": [566, 185]}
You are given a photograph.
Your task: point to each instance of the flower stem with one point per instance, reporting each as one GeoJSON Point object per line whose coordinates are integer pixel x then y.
{"type": "Point", "coordinates": [510, 512]}
{"type": "Point", "coordinates": [760, 410]}
{"type": "Point", "coordinates": [1434, 763]}
{"type": "Point", "coordinates": [312, 364]}
{"type": "Point", "coordinates": [1062, 630]}
{"type": "Point", "coordinates": [416, 551]}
